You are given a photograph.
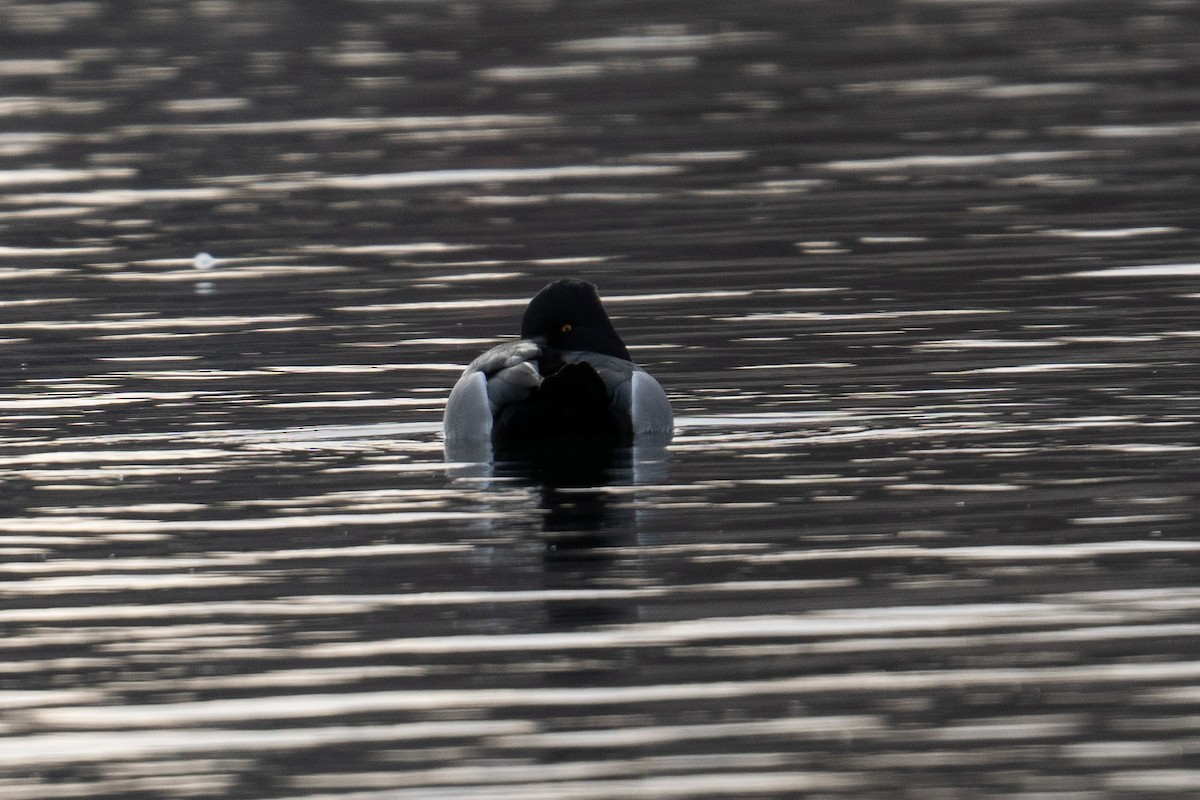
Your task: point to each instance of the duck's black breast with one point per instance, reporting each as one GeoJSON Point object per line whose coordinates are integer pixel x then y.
{"type": "Point", "coordinates": [572, 401]}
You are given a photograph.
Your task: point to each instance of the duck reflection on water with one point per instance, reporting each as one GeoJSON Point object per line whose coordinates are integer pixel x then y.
{"type": "Point", "coordinates": [588, 526]}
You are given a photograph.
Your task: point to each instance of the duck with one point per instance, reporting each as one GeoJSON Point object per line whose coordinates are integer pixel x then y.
{"type": "Point", "coordinates": [568, 377]}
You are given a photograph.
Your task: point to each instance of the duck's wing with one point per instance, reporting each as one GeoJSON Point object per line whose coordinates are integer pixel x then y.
{"type": "Point", "coordinates": [505, 374]}
{"type": "Point", "coordinates": [504, 356]}
{"type": "Point", "coordinates": [631, 391]}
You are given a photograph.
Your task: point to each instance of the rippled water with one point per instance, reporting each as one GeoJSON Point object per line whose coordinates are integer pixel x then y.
{"type": "Point", "coordinates": [920, 279]}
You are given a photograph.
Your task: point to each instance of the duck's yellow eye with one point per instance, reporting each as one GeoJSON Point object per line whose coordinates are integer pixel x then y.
{"type": "Point", "coordinates": [566, 328]}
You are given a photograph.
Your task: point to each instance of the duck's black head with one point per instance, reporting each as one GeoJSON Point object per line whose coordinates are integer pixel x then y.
{"type": "Point", "coordinates": [567, 315]}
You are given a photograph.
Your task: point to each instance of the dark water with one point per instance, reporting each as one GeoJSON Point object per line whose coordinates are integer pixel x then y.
{"type": "Point", "coordinates": [920, 280]}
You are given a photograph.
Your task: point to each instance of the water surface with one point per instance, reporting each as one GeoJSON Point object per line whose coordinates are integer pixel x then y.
{"type": "Point", "coordinates": [921, 282]}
